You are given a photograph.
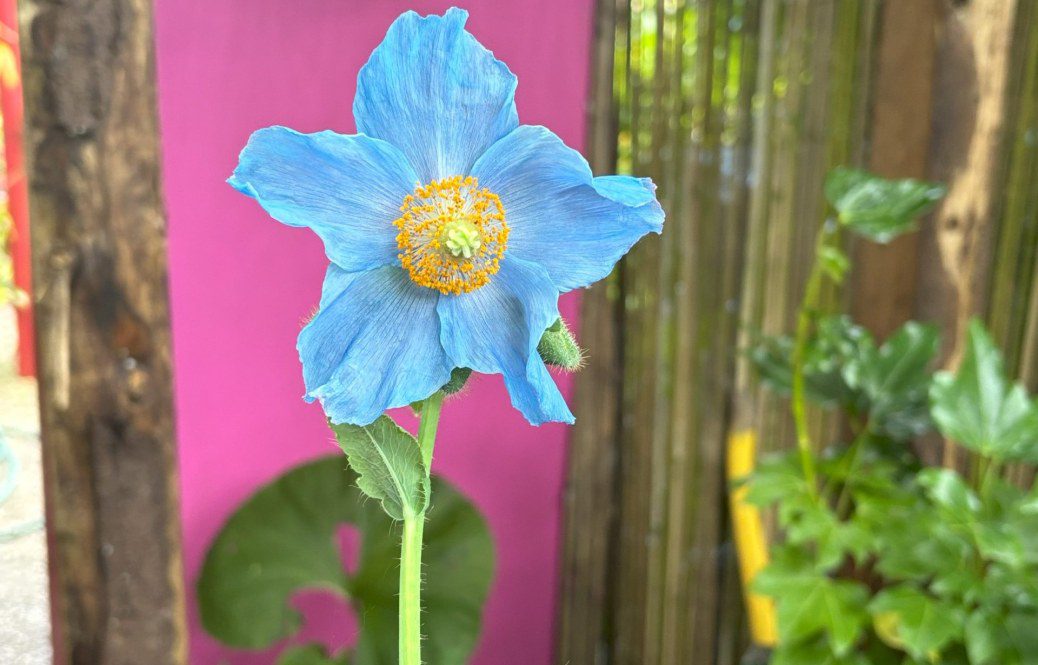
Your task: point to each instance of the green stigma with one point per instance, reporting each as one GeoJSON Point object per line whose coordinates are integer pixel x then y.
{"type": "Point", "coordinates": [461, 237]}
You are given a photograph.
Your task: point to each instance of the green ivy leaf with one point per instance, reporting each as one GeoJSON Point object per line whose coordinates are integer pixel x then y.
{"type": "Point", "coordinates": [923, 624]}
{"type": "Point", "coordinates": [389, 465]}
{"type": "Point", "coordinates": [878, 208]}
{"type": "Point", "coordinates": [895, 380]}
{"type": "Point", "coordinates": [916, 542]}
{"type": "Point", "coordinates": [777, 477]}
{"type": "Point", "coordinates": [987, 640]}
{"type": "Point", "coordinates": [836, 340]}
{"type": "Point", "coordinates": [948, 490]}
{"type": "Point", "coordinates": [815, 652]}
{"type": "Point", "coordinates": [809, 603]}
{"type": "Point", "coordinates": [282, 540]}
{"type": "Point", "coordinates": [310, 654]}
{"type": "Point", "coordinates": [979, 408]}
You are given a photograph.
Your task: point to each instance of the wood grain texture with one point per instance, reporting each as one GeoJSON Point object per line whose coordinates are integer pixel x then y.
{"type": "Point", "coordinates": [99, 255]}
{"type": "Point", "coordinates": [883, 289]}
{"type": "Point", "coordinates": [588, 504]}
{"type": "Point", "coordinates": [970, 99]}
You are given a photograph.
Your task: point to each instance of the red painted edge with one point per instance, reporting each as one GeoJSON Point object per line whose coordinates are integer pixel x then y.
{"type": "Point", "coordinates": [17, 190]}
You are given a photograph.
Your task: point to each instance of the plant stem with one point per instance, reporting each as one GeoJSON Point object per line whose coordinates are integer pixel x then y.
{"type": "Point", "coordinates": [852, 463]}
{"type": "Point", "coordinates": [990, 473]}
{"type": "Point", "coordinates": [411, 591]}
{"type": "Point", "coordinates": [410, 623]}
{"type": "Point", "coordinates": [808, 305]}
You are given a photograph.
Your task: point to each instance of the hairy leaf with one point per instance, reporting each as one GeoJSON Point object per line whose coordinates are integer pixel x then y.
{"type": "Point", "coordinates": [389, 465]}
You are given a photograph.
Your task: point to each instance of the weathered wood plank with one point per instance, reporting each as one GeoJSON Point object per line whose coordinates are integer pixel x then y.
{"type": "Point", "coordinates": [970, 95]}
{"type": "Point", "coordinates": [104, 339]}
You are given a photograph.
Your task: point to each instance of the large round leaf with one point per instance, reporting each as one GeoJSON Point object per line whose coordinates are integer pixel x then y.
{"type": "Point", "coordinates": [283, 540]}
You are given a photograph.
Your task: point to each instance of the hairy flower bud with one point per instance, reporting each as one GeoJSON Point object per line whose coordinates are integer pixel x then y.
{"type": "Point", "coordinates": [559, 349]}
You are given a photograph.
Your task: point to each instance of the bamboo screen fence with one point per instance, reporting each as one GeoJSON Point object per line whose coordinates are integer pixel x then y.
{"type": "Point", "coordinates": [737, 108]}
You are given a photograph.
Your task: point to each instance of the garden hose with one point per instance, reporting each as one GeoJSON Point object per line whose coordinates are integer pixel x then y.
{"type": "Point", "coordinates": [8, 482]}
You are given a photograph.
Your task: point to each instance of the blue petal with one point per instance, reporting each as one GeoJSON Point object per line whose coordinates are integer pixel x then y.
{"type": "Point", "coordinates": [433, 91]}
{"type": "Point", "coordinates": [374, 345]}
{"type": "Point", "coordinates": [495, 330]}
{"type": "Point", "coordinates": [561, 217]}
{"type": "Point", "coordinates": [348, 189]}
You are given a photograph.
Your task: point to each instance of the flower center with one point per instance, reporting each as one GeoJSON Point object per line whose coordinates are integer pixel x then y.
{"type": "Point", "coordinates": [452, 235]}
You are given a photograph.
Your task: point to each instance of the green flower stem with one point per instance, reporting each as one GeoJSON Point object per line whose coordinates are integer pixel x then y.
{"type": "Point", "coordinates": [427, 427]}
{"type": "Point", "coordinates": [410, 624]}
{"type": "Point", "coordinates": [411, 591]}
{"type": "Point", "coordinates": [808, 305]}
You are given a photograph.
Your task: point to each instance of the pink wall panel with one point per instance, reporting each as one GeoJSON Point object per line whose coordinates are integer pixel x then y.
{"type": "Point", "coordinates": [242, 284]}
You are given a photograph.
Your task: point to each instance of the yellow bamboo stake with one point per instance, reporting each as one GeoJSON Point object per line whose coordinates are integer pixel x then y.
{"type": "Point", "coordinates": [751, 542]}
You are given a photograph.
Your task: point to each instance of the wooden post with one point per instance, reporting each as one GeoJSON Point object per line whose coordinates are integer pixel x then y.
{"type": "Point", "coordinates": [975, 41]}
{"type": "Point", "coordinates": [971, 92]}
{"type": "Point", "coordinates": [99, 256]}
{"type": "Point", "coordinates": [883, 282]}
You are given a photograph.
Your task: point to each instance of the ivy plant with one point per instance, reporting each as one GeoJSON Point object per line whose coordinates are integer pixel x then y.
{"type": "Point", "coordinates": [882, 559]}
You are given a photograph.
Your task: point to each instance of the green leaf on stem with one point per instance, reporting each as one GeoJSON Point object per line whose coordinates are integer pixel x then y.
{"type": "Point", "coordinates": [979, 408]}
{"type": "Point", "coordinates": [878, 208]}
{"type": "Point", "coordinates": [815, 652]}
{"type": "Point", "coordinates": [282, 540]}
{"type": "Point", "coordinates": [948, 490]}
{"type": "Point", "coordinates": [809, 603]}
{"type": "Point", "coordinates": [389, 465]}
{"type": "Point", "coordinates": [923, 625]}
{"type": "Point", "coordinates": [894, 380]}
{"type": "Point", "coordinates": [777, 477]}
{"type": "Point", "coordinates": [836, 340]}
{"type": "Point", "coordinates": [987, 640]}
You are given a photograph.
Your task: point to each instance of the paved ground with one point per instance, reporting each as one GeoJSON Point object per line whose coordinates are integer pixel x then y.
{"type": "Point", "coordinates": [24, 614]}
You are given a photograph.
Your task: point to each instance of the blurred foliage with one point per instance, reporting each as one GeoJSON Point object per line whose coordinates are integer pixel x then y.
{"type": "Point", "coordinates": [888, 561]}
{"type": "Point", "coordinates": [283, 540]}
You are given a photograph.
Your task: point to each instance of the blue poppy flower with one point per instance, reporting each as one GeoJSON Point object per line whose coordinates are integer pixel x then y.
{"type": "Point", "coordinates": [451, 228]}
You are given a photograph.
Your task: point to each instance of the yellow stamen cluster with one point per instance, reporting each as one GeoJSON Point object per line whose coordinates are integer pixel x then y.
{"type": "Point", "coordinates": [452, 235]}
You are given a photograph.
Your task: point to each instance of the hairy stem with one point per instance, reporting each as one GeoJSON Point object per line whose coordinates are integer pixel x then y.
{"type": "Point", "coordinates": [427, 427]}
{"type": "Point", "coordinates": [410, 624]}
